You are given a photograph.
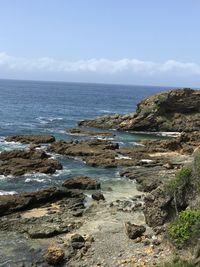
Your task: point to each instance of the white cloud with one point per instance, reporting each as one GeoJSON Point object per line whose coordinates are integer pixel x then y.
{"type": "Point", "coordinates": [102, 66]}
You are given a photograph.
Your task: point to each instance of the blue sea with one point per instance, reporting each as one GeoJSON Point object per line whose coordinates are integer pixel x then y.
{"type": "Point", "coordinates": [33, 107]}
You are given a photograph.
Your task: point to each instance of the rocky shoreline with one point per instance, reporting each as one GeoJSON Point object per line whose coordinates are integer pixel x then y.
{"type": "Point", "coordinates": [73, 224]}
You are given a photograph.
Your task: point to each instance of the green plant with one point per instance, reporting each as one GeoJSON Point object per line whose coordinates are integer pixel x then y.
{"type": "Point", "coordinates": [161, 99]}
{"type": "Point", "coordinates": [182, 178]}
{"type": "Point", "coordinates": [197, 163]}
{"type": "Point", "coordinates": [146, 111]}
{"type": "Point", "coordinates": [186, 226]}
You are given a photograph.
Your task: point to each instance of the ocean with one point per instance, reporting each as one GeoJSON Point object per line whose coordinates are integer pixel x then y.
{"type": "Point", "coordinates": [35, 107]}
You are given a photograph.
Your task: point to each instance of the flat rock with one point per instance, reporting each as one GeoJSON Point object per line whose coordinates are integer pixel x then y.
{"type": "Point", "coordinates": [25, 201]}
{"type": "Point", "coordinates": [82, 132]}
{"type": "Point", "coordinates": [20, 162]}
{"type": "Point", "coordinates": [35, 139]}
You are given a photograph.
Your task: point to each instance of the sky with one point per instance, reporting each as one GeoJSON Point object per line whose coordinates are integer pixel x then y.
{"type": "Point", "coordinates": [146, 42]}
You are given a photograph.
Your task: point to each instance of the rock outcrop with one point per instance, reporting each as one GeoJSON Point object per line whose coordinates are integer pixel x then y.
{"type": "Point", "coordinates": [175, 110]}
{"type": "Point", "coordinates": [20, 162]}
{"type": "Point", "coordinates": [35, 139]}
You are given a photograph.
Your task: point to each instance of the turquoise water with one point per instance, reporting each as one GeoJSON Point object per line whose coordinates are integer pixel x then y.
{"type": "Point", "coordinates": [50, 107]}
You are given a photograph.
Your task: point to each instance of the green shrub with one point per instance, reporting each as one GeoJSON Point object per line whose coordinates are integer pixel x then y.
{"type": "Point", "coordinates": [186, 226]}
{"type": "Point", "coordinates": [182, 178]}
{"type": "Point", "coordinates": [197, 163]}
{"type": "Point", "coordinates": [146, 111]}
{"type": "Point", "coordinates": [161, 99]}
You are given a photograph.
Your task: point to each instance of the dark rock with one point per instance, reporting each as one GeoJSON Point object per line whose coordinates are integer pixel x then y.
{"type": "Point", "coordinates": [24, 201]}
{"type": "Point", "coordinates": [20, 162]}
{"type": "Point", "coordinates": [77, 241]}
{"type": "Point", "coordinates": [98, 196]}
{"type": "Point", "coordinates": [134, 231]}
{"type": "Point", "coordinates": [82, 183]}
{"type": "Point", "coordinates": [35, 139]}
{"type": "Point", "coordinates": [54, 255]}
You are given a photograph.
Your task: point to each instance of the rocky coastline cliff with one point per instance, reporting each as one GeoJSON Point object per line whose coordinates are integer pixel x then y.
{"type": "Point", "coordinates": [73, 224]}
{"type": "Point", "coordinates": [170, 111]}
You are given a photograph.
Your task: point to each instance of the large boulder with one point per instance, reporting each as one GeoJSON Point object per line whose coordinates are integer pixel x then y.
{"type": "Point", "coordinates": [82, 183]}
{"type": "Point", "coordinates": [35, 139]}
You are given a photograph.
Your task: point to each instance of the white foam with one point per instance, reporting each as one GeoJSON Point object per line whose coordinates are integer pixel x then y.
{"type": "Point", "coordinates": [136, 144]}
{"type": "Point", "coordinates": [61, 172]}
{"type": "Point", "coordinates": [29, 180]}
{"type": "Point", "coordinates": [169, 134]}
{"type": "Point", "coordinates": [146, 160]}
{"type": "Point", "coordinates": [119, 156]}
{"type": "Point", "coordinates": [46, 120]}
{"type": "Point", "coordinates": [2, 192]}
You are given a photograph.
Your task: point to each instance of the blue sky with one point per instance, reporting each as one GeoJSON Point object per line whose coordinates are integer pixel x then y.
{"type": "Point", "coordinates": [150, 42]}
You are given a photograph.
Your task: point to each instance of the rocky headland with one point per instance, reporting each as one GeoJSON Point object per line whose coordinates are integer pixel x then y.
{"type": "Point", "coordinates": [74, 225]}
{"type": "Point", "coordinates": [170, 111]}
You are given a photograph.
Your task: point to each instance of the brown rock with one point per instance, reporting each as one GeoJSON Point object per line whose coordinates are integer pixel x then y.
{"type": "Point", "coordinates": [134, 231]}
{"type": "Point", "coordinates": [54, 255]}
{"type": "Point", "coordinates": [20, 162]}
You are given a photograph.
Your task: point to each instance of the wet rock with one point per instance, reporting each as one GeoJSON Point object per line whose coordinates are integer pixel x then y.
{"type": "Point", "coordinates": [134, 231]}
{"type": "Point", "coordinates": [20, 162]}
{"type": "Point", "coordinates": [24, 201]}
{"type": "Point", "coordinates": [82, 183]}
{"type": "Point", "coordinates": [35, 139]}
{"type": "Point", "coordinates": [98, 196]}
{"type": "Point", "coordinates": [54, 255]}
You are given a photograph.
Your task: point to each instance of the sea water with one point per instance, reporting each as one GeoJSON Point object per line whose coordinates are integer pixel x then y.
{"type": "Point", "coordinates": [33, 107]}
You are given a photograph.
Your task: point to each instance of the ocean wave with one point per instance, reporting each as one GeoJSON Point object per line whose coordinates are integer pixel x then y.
{"type": "Point", "coordinates": [106, 111]}
{"type": "Point", "coordinates": [46, 120]}
{"type": "Point", "coordinates": [3, 193]}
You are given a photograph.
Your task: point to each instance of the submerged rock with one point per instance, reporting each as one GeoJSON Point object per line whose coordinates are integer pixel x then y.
{"type": "Point", "coordinates": [20, 162]}
{"type": "Point", "coordinates": [35, 139]}
{"type": "Point", "coordinates": [82, 183]}
{"type": "Point", "coordinates": [171, 111]}
{"type": "Point", "coordinates": [82, 132]}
